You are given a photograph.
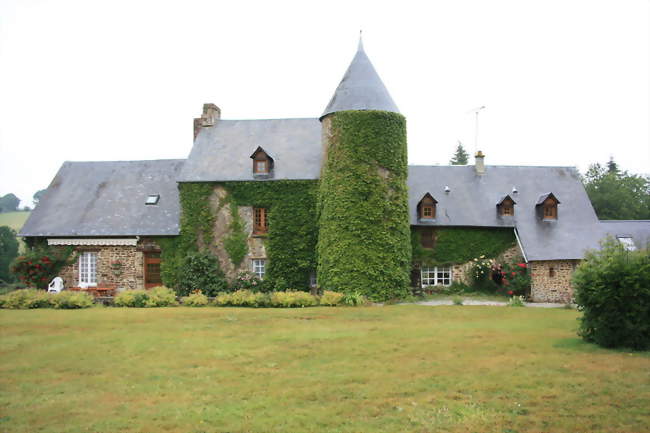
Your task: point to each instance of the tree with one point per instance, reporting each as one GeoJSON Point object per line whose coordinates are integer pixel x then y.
{"type": "Point", "coordinates": [617, 194]}
{"type": "Point", "coordinates": [460, 156]}
{"type": "Point", "coordinates": [37, 196]}
{"type": "Point", "coordinates": [9, 203]}
{"type": "Point", "coordinates": [8, 252]}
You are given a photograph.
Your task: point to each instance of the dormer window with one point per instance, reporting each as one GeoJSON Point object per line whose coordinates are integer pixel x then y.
{"type": "Point", "coordinates": [262, 163]}
{"type": "Point", "coordinates": [427, 208]}
{"type": "Point", "coordinates": [547, 203]}
{"type": "Point", "coordinates": [506, 206]}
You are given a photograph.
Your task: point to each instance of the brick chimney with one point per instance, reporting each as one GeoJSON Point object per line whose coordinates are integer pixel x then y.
{"type": "Point", "coordinates": [211, 113]}
{"type": "Point", "coordinates": [479, 163]}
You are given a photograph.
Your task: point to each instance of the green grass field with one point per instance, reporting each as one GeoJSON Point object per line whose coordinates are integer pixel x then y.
{"type": "Point", "coordinates": [403, 368]}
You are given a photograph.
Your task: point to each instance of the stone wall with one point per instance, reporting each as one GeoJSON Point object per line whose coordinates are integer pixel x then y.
{"type": "Point", "coordinates": [223, 218]}
{"type": "Point", "coordinates": [551, 280]}
{"type": "Point", "coordinates": [460, 272]}
{"type": "Point", "coordinates": [129, 276]}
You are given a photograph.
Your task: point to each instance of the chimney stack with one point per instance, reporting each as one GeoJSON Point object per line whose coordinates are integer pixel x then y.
{"type": "Point", "coordinates": [211, 113]}
{"type": "Point", "coordinates": [479, 163]}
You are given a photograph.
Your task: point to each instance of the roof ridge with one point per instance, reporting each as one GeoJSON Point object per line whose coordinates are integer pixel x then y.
{"type": "Point", "coordinates": [126, 161]}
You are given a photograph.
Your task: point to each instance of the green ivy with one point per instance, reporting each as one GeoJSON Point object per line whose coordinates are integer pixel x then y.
{"type": "Point", "coordinates": [196, 225]}
{"type": "Point", "coordinates": [235, 243]}
{"type": "Point", "coordinates": [293, 226]}
{"type": "Point", "coordinates": [455, 245]}
{"type": "Point", "coordinates": [364, 243]}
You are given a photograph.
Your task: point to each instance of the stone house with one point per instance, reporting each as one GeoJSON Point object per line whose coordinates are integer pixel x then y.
{"type": "Point", "coordinates": [118, 214]}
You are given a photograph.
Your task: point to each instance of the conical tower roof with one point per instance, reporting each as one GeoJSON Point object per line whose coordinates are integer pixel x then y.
{"type": "Point", "coordinates": [361, 88]}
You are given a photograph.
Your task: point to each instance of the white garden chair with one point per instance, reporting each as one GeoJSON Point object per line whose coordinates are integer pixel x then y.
{"type": "Point", "coordinates": [55, 286]}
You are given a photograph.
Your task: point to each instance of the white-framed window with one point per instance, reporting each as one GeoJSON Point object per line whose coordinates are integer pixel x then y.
{"type": "Point", "coordinates": [88, 269]}
{"type": "Point", "coordinates": [627, 243]}
{"type": "Point", "coordinates": [436, 276]}
{"type": "Point", "coordinates": [313, 280]}
{"type": "Point", "coordinates": [259, 267]}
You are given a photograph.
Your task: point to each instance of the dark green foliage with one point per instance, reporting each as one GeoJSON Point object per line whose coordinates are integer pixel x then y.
{"type": "Point", "coordinates": [9, 203]}
{"type": "Point", "coordinates": [460, 156]}
{"type": "Point", "coordinates": [455, 245]}
{"type": "Point", "coordinates": [612, 288]}
{"type": "Point", "coordinates": [38, 195]}
{"type": "Point", "coordinates": [201, 271]}
{"type": "Point", "coordinates": [363, 243]}
{"type": "Point", "coordinates": [235, 243]}
{"type": "Point", "coordinates": [617, 195]}
{"type": "Point", "coordinates": [293, 227]}
{"type": "Point", "coordinates": [8, 252]}
{"type": "Point", "coordinates": [196, 224]}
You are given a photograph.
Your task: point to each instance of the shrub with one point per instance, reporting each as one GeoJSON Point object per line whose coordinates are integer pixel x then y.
{"type": "Point", "coordinates": [195, 299]}
{"type": "Point", "coordinates": [457, 300]}
{"type": "Point", "coordinates": [161, 296]}
{"type": "Point", "coordinates": [69, 300]}
{"type": "Point", "coordinates": [131, 298]}
{"type": "Point", "coordinates": [612, 288]}
{"type": "Point", "coordinates": [292, 299]}
{"type": "Point", "coordinates": [516, 301]}
{"type": "Point", "coordinates": [39, 266]}
{"type": "Point", "coordinates": [27, 298]}
{"type": "Point", "coordinates": [331, 298]}
{"type": "Point", "coordinates": [354, 298]}
{"type": "Point", "coordinates": [480, 275]}
{"type": "Point", "coordinates": [516, 279]}
{"type": "Point", "coordinates": [201, 271]}
{"type": "Point", "coordinates": [248, 281]}
{"type": "Point", "coordinates": [242, 298]}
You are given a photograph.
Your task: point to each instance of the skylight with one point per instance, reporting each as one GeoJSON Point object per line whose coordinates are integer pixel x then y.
{"type": "Point", "coordinates": [152, 199]}
{"type": "Point", "coordinates": [627, 242]}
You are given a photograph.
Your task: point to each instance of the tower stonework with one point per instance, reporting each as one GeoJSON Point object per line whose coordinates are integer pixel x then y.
{"type": "Point", "coordinates": [364, 235]}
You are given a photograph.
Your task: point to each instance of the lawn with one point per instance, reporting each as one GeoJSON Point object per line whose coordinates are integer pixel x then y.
{"type": "Point", "coordinates": [401, 368]}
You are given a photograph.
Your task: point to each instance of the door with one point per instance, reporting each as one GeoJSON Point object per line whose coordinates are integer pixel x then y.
{"type": "Point", "coordinates": [152, 270]}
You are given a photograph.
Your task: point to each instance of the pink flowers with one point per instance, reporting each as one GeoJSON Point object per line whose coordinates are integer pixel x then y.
{"type": "Point", "coordinates": [510, 292]}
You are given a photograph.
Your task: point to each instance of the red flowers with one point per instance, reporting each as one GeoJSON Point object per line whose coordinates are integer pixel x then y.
{"type": "Point", "coordinates": [510, 292]}
{"type": "Point", "coordinates": [513, 274]}
{"type": "Point", "coordinates": [522, 265]}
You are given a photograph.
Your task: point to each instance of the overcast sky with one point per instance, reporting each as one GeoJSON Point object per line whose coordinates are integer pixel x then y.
{"type": "Point", "coordinates": [564, 82]}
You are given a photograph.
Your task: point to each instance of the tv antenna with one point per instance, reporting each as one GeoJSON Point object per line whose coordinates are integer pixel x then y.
{"type": "Point", "coordinates": [476, 111]}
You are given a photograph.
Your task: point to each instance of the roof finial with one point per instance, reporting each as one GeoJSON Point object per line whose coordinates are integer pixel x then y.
{"type": "Point", "coordinates": [360, 40]}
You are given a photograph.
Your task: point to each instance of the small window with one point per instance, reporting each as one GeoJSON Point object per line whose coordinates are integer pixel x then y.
{"type": "Point", "coordinates": [427, 238]}
{"type": "Point", "coordinates": [436, 276]}
{"type": "Point", "coordinates": [261, 166]}
{"type": "Point", "coordinates": [551, 272]}
{"type": "Point", "coordinates": [507, 210]}
{"type": "Point", "coordinates": [259, 267]}
{"type": "Point", "coordinates": [427, 207]}
{"type": "Point", "coordinates": [88, 269]}
{"type": "Point", "coordinates": [152, 199]}
{"type": "Point", "coordinates": [260, 221]}
{"type": "Point", "coordinates": [548, 204]}
{"type": "Point", "coordinates": [627, 243]}
{"type": "Point", "coordinates": [550, 211]}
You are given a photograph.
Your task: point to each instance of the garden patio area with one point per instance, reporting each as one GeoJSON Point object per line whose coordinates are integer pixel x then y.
{"type": "Point", "coordinates": [368, 369]}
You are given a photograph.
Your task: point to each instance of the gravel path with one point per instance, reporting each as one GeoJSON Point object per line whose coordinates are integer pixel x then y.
{"type": "Point", "coordinates": [493, 303]}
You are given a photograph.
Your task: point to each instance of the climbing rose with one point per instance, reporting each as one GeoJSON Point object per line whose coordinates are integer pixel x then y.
{"type": "Point", "coordinates": [510, 292]}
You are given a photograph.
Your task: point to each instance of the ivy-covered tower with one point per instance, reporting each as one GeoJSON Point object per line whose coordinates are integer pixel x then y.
{"type": "Point", "coordinates": [364, 237]}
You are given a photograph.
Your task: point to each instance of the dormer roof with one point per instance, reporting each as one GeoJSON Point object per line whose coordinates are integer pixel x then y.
{"type": "Point", "coordinates": [504, 198]}
{"type": "Point", "coordinates": [261, 152]}
{"type": "Point", "coordinates": [361, 88]}
{"type": "Point", "coordinates": [542, 198]}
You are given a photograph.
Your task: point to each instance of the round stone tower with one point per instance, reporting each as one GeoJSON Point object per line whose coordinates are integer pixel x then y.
{"type": "Point", "coordinates": [364, 236]}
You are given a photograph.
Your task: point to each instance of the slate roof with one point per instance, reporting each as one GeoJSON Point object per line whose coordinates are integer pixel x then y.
{"type": "Point", "coordinates": [638, 230]}
{"type": "Point", "coordinates": [222, 152]}
{"type": "Point", "coordinates": [472, 202]}
{"type": "Point", "coordinates": [361, 88]}
{"type": "Point", "coordinates": [108, 199]}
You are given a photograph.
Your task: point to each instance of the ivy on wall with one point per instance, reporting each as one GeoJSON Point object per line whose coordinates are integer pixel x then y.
{"type": "Point", "coordinates": [235, 243]}
{"type": "Point", "coordinates": [364, 237]}
{"type": "Point", "coordinates": [454, 245]}
{"type": "Point", "coordinates": [195, 230]}
{"type": "Point", "coordinates": [293, 226]}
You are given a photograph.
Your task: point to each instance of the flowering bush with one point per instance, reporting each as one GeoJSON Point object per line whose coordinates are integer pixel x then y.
{"type": "Point", "coordinates": [195, 299]}
{"type": "Point", "coordinates": [247, 281]}
{"type": "Point", "coordinates": [480, 275]}
{"type": "Point", "coordinates": [516, 301]}
{"type": "Point", "coordinates": [39, 266]}
{"type": "Point", "coordinates": [515, 279]}
{"type": "Point", "coordinates": [331, 298]}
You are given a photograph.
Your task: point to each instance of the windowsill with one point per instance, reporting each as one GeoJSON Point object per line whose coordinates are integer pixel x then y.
{"type": "Point", "coordinates": [260, 235]}
{"type": "Point", "coordinates": [262, 175]}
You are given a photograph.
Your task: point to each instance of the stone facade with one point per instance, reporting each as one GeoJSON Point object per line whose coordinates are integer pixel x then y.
{"type": "Point", "coordinates": [551, 280]}
{"type": "Point", "coordinates": [460, 272]}
{"type": "Point", "coordinates": [129, 276]}
{"type": "Point", "coordinates": [223, 219]}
